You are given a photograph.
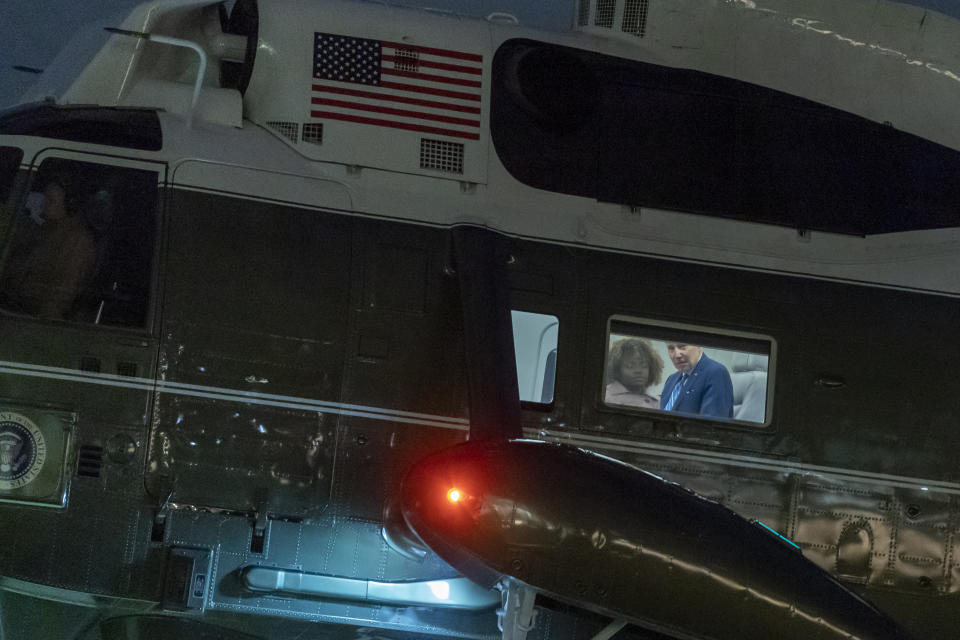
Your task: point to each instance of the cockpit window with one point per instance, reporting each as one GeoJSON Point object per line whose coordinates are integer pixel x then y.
{"type": "Point", "coordinates": [535, 347]}
{"type": "Point", "coordinates": [81, 247]}
{"type": "Point", "coordinates": [10, 158]}
{"type": "Point", "coordinates": [689, 371]}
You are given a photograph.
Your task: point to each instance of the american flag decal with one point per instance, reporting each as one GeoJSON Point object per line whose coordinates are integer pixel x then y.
{"type": "Point", "coordinates": [399, 86]}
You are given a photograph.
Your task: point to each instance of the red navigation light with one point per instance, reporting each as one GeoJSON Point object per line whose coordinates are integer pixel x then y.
{"type": "Point", "coordinates": [454, 495]}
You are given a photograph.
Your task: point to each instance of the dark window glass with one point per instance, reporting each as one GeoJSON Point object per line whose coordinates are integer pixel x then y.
{"type": "Point", "coordinates": [133, 128]}
{"type": "Point", "coordinates": [10, 158]}
{"type": "Point", "coordinates": [81, 249]}
{"type": "Point", "coordinates": [641, 134]}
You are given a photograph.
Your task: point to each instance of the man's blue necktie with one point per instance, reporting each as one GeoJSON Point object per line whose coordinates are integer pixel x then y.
{"type": "Point", "coordinates": [675, 394]}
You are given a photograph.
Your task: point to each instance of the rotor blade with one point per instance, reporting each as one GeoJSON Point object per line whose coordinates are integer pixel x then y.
{"type": "Point", "coordinates": [481, 256]}
{"type": "Point", "coordinates": [625, 543]}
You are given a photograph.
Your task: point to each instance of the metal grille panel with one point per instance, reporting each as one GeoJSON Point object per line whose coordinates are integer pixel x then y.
{"type": "Point", "coordinates": [288, 130]}
{"type": "Point", "coordinates": [407, 60]}
{"type": "Point", "coordinates": [635, 17]}
{"type": "Point", "coordinates": [313, 132]}
{"type": "Point", "coordinates": [128, 369]}
{"type": "Point", "coordinates": [583, 13]}
{"type": "Point", "coordinates": [605, 11]}
{"type": "Point", "coordinates": [89, 460]}
{"type": "Point", "coordinates": [441, 155]}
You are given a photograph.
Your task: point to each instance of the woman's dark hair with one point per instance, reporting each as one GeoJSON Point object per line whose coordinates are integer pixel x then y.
{"type": "Point", "coordinates": [634, 346]}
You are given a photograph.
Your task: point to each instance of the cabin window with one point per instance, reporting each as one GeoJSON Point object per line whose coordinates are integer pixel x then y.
{"type": "Point", "coordinates": [81, 249]}
{"type": "Point", "coordinates": [687, 370]}
{"type": "Point", "coordinates": [535, 347]}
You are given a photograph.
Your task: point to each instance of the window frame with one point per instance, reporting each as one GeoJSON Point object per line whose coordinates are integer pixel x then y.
{"type": "Point", "coordinates": [15, 166]}
{"type": "Point", "coordinates": [158, 167]}
{"type": "Point", "coordinates": [19, 180]}
{"type": "Point", "coordinates": [679, 327]}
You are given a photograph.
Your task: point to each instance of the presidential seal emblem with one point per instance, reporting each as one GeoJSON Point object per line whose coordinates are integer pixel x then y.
{"type": "Point", "coordinates": [23, 451]}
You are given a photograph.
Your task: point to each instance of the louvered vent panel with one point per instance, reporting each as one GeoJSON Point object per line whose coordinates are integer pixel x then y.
{"type": "Point", "coordinates": [441, 155]}
{"type": "Point", "coordinates": [313, 132]}
{"type": "Point", "coordinates": [90, 363]}
{"type": "Point", "coordinates": [604, 15]}
{"type": "Point", "coordinates": [289, 130]}
{"type": "Point", "coordinates": [128, 369]}
{"type": "Point", "coordinates": [89, 461]}
{"type": "Point", "coordinates": [583, 13]}
{"type": "Point", "coordinates": [635, 17]}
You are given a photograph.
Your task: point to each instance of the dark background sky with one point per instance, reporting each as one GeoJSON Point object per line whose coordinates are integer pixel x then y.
{"type": "Point", "coordinates": [32, 32]}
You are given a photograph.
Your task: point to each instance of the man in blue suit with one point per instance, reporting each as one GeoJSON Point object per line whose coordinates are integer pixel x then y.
{"type": "Point", "coordinates": [700, 386]}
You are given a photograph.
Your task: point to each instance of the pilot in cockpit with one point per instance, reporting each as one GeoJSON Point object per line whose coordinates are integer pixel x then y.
{"type": "Point", "coordinates": [55, 255]}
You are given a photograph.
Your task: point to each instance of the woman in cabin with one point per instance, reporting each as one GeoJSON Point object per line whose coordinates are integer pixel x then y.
{"type": "Point", "coordinates": [632, 367]}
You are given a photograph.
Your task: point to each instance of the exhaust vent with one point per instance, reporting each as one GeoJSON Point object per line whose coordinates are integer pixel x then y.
{"type": "Point", "coordinates": [89, 461]}
{"type": "Point", "coordinates": [635, 17]}
{"type": "Point", "coordinates": [441, 155]}
{"type": "Point", "coordinates": [604, 13]}
{"type": "Point", "coordinates": [583, 13]}
{"type": "Point", "coordinates": [617, 16]}
{"type": "Point", "coordinates": [127, 369]}
{"type": "Point", "coordinates": [313, 132]}
{"type": "Point", "coordinates": [289, 130]}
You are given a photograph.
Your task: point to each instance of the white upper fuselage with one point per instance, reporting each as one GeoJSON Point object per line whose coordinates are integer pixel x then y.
{"type": "Point", "coordinates": [883, 61]}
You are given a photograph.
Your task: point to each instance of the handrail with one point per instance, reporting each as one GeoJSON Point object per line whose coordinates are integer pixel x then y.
{"type": "Point", "coordinates": [175, 42]}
